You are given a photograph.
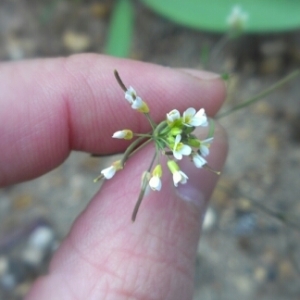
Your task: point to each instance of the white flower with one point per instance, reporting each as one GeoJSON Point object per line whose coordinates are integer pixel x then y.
{"type": "Point", "coordinates": [173, 115]}
{"type": "Point", "coordinates": [198, 160]}
{"type": "Point", "coordinates": [109, 172]}
{"type": "Point", "coordinates": [180, 149]}
{"type": "Point", "coordinates": [191, 118]}
{"type": "Point", "coordinates": [140, 105]}
{"type": "Point", "coordinates": [130, 95]}
{"type": "Point", "coordinates": [137, 103]}
{"type": "Point", "coordinates": [155, 183]}
{"type": "Point", "coordinates": [237, 18]}
{"type": "Point", "coordinates": [204, 146]}
{"type": "Point", "coordinates": [126, 134]}
{"type": "Point", "coordinates": [179, 177]}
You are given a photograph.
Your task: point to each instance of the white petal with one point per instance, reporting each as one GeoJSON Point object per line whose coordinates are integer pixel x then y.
{"type": "Point", "coordinates": [177, 139]}
{"type": "Point", "coordinates": [177, 155]}
{"type": "Point", "coordinates": [185, 150]}
{"type": "Point", "coordinates": [119, 134]}
{"type": "Point", "coordinates": [189, 112]}
{"type": "Point", "coordinates": [179, 177]}
{"type": "Point", "coordinates": [204, 150]}
{"type": "Point", "coordinates": [155, 183]}
{"type": "Point", "coordinates": [109, 172]}
{"type": "Point", "coordinates": [173, 115]}
{"type": "Point", "coordinates": [137, 103]}
{"type": "Point", "coordinates": [199, 161]}
{"type": "Point", "coordinates": [130, 94]}
{"type": "Point", "coordinates": [199, 119]}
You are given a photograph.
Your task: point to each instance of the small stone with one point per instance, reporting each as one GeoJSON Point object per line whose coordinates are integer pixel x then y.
{"type": "Point", "coordinates": [4, 265]}
{"type": "Point", "coordinates": [41, 238]}
{"type": "Point", "coordinates": [39, 244]}
{"type": "Point", "coordinates": [244, 204]}
{"type": "Point", "coordinates": [271, 65]}
{"type": "Point", "coordinates": [22, 289]}
{"type": "Point", "coordinates": [260, 274]}
{"type": "Point", "coordinates": [22, 201]}
{"type": "Point", "coordinates": [273, 141]}
{"type": "Point", "coordinates": [76, 42]}
{"type": "Point", "coordinates": [286, 270]}
{"type": "Point", "coordinates": [209, 219]}
{"type": "Point", "coordinates": [33, 256]}
{"type": "Point", "coordinates": [100, 10]}
{"type": "Point", "coordinates": [8, 281]}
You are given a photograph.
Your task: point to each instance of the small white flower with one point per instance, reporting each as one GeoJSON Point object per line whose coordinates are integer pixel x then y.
{"type": "Point", "coordinates": [173, 115]}
{"type": "Point", "coordinates": [237, 18]}
{"type": "Point", "coordinates": [204, 146]}
{"type": "Point", "coordinates": [191, 118]}
{"type": "Point", "coordinates": [140, 105]}
{"type": "Point", "coordinates": [198, 160]}
{"type": "Point", "coordinates": [130, 95]}
{"type": "Point", "coordinates": [180, 149]}
{"type": "Point", "coordinates": [123, 134]}
{"type": "Point", "coordinates": [179, 177]}
{"type": "Point", "coordinates": [109, 172]}
{"type": "Point", "coordinates": [137, 103]}
{"type": "Point", "coordinates": [155, 183]}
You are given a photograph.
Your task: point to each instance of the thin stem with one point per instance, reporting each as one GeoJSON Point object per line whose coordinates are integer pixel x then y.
{"type": "Point", "coordinates": [140, 147]}
{"type": "Point", "coordinates": [130, 149]}
{"type": "Point", "coordinates": [143, 135]}
{"type": "Point", "coordinates": [218, 48]}
{"type": "Point", "coordinates": [119, 80]}
{"type": "Point", "coordinates": [150, 120]}
{"type": "Point", "coordinates": [143, 190]}
{"type": "Point", "coordinates": [264, 93]}
{"type": "Point", "coordinates": [159, 127]}
{"type": "Point", "coordinates": [211, 131]}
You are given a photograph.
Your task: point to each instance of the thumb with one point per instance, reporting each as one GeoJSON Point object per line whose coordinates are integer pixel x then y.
{"type": "Point", "coordinates": [106, 256]}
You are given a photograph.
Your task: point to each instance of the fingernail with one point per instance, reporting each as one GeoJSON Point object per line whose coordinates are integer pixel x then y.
{"type": "Point", "coordinates": [203, 75]}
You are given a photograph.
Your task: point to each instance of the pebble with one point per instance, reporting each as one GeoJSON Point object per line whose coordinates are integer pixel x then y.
{"type": "Point", "coordinates": [39, 244]}
{"type": "Point", "coordinates": [76, 42]}
{"type": "Point", "coordinates": [209, 219]}
{"type": "Point", "coordinates": [245, 224]}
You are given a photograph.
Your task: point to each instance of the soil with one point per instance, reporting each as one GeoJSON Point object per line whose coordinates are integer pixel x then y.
{"type": "Point", "coordinates": [250, 243]}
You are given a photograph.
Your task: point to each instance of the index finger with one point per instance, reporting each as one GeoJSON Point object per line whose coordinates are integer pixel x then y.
{"type": "Point", "coordinates": [52, 106]}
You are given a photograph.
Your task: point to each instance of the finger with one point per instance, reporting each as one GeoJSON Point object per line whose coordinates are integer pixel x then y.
{"type": "Point", "coordinates": [49, 107]}
{"type": "Point", "coordinates": [106, 256]}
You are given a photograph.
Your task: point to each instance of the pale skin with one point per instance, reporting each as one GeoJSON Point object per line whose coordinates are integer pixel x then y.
{"type": "Point", "coordinates": [50, 107]}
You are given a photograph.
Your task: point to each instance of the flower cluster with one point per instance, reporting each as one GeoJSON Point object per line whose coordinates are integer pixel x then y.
{"type": "Point", "coordinates": [237, 19]}
{"type": "Point", "coordinates": [173, 138]}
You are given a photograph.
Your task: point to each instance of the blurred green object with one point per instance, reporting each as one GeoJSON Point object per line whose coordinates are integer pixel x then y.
{"type": "Point", "coordinates": [120, 29]}
{"type": "Point", "coordinates": [263, 15]}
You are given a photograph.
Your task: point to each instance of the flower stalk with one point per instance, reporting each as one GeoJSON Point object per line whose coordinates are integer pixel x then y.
{"type": "Point", "coordinates": [172, 137]}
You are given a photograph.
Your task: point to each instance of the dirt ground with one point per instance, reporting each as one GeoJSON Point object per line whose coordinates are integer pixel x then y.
{"type": "Point", "coordinates": [250, 247]}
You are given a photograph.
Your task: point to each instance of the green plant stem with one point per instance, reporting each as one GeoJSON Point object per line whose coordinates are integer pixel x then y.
{"type": "Point", "coordinates": [159, 127]}
{"type": "Point", "coordinates": [130, 149]}
{"type": "Point", "coordinates": [143, 135]}
{"type": "Point", "coordinates": [264, 93]}
{"type": "Point", "coordinates": [140, 147]}
{"type": "Point", "coordinates": [143, 190]}
{"type": "Point", "coordinates": [211, 131]}
{"type": "Point", "coordinates": [150, 120]}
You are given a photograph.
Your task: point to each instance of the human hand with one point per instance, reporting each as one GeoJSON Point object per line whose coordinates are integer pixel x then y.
{"type": "Point", "coordinates": [50, 107]}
